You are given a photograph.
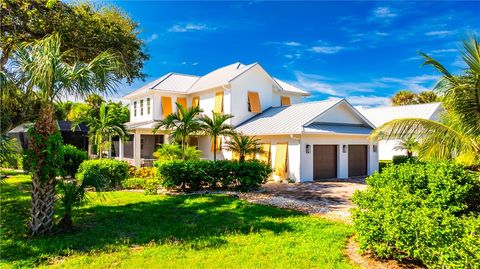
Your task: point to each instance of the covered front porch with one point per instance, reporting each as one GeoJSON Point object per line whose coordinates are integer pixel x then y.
{"type": "Point", "coordinates": [138, 149]}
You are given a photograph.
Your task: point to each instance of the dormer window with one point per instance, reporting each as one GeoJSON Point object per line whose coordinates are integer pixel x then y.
{"type": "Point", "coordinates": [141, 107]}
{"type": "Point", "coordinates": [148, 106]}
{"type": "Point", "coordinates": [285, 101]}
{"type": "Point", "coordinates": [254, 102]}
{"type": "Point", "coordinates": [135, 108]}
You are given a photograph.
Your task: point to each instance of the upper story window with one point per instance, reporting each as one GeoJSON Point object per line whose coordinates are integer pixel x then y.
{"type": "Point", "coordinates": [135, 108]}
{"type": "Point", "coordinates": [218, 108]}
{"type": "Point", "coordinates": [285, 101]}
{"type": "Point", "coordinates": [254, 102]}
{"type": "Point", "coordinates": [195, 101]}
{"type": "Point", "coordinates": [141, 107]}
{"type": "Point", "coordinates": [148, 106]}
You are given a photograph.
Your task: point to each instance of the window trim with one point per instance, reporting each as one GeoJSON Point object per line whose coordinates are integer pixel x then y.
{"type": "Point", "coordinates": [141, 107]}
{"type": "Point", "coordinates": [148, 106]}
{"type": "Point", "coordinates": [134, 108]}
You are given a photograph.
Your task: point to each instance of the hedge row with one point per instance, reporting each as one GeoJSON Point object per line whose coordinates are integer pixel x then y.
{"type": "Point", "coordinates": [198, 175]}
{"type": "Point", "coordinates": [109, 173]}
{"type": "Point", "coordinates": [423, 211]}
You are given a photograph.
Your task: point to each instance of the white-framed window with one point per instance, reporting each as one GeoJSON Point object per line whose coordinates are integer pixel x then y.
{"type": "Point", "coordinates": [141, 107]}
{"type": "Point", "coordinates": [148, 106]}
{"type": "Point", "coordinates": [135, 108]}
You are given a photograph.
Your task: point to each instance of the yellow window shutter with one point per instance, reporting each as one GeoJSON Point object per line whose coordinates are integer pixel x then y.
{"type": "Point", "coordinates": [219, 144]}
{"type": "Point", "coordinates": [166, 106]}
{"type": "Point", "coordinates": [195, 101]}
{"type": "Point", "coordinates": [218, 108]}
{"type": "Point", "coordinates": [281, 159]}
{"type": "Point", "coordinates": [182, 101]}
{"type": "Point", "coordinates": [264, 156]}
{"type": "Point", "coordinates": [254, 100]}
{"type": "Point", "coordinates": [235, 156]}
{"type": "Point", "coordinates": [285, 101]}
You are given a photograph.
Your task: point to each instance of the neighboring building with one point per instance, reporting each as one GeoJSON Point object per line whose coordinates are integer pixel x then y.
{"type": "Point", "coordinates": [379, 116]}
{"type": "Point", "coordinates": [302, 141]}
{"type": "Point", "coordinates": [77, 137]}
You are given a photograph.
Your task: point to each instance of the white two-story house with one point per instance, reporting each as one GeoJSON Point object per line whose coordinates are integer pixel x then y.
{"type": "Point", "coordinates": [302, 141]}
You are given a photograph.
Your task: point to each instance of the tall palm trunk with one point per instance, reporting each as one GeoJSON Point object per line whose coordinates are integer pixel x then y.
{"type": "Point", "coordinates": [214, 148]}
{"type": "Point", "coordinates": [43, 180]}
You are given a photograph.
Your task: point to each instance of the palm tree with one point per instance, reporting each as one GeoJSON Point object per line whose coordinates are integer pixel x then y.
{"type": "Point", "coordinates": [404, 97]}
{"type": "Point", "coordinates": [44, 68]}
{"type": "Point", "coordinates": [215, 127]}
{"type": "Point", "coordinates": [182, 123]}
{"type": "Point", "coordinates": [409, 144]}
{"type": "Point", "coordinates": [457, 134]}
{"type": "Point", "coordinates": [102, 127]}
{"type": "Point", "coordinates": [243, 145]}
{"type": "Point", "coordinates": [426, 97]}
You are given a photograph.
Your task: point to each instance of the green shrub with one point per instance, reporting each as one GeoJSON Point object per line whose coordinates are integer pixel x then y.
{"type": "Point", "coordinates": [111, 172]}
{"type": "Point", "coordinates": [423, 211]}
{"type": "Point", "coordinates": [72, 158]}
{"type": "Point", "coordinates": [151, 186]}
{"type": "Point", "coordinates": [197, 175]}
{"type": "Point", "coordinates": [382, 164]}
{"type": "Point", "coordinates": [398, 159]}
{"type": "Point", "coordinates": [134, 183]}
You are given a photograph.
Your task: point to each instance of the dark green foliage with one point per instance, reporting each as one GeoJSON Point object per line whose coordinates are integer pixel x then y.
{"type": "Point", "coordinates": [109, 172]}
{"type": "Point", "coordinates": [51, 156]}
{"type": "Point", "coordinates": [399, 159]}
{"type": "Point", "coordinates": [197, 175]}
{"type": "Point", "coordinates": [72, 158]}
{"type": "Point", "coordinates": [423, 211]}
{"type": "Point", "coordinates": [382, 164]}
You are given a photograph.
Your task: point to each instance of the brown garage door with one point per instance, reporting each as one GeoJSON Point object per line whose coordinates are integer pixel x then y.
{"type": "Point", "coordinates": [324, 162]}
{"type": "Point", "coordinates": [357, 160]}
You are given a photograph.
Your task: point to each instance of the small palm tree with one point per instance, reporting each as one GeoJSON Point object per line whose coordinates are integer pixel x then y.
{"type": "Point", "coordinates": [243, 145]}
{"type": "Point", "coordinates": [102, 127]}
{"type": "Point", "coordinates": [409, 144]}
{"type": "Point", "coordinates": [182, 123]}
{"type": "Point", "coordinates": [216, 126]}
{"type": "Point", "coordinates": [426, 97]}
{"type": "Point", "coordinates": [44, 68]}
{"type": "Point", "coordinates": [457, 134]}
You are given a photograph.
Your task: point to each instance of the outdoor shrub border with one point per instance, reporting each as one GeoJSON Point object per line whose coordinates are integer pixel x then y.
{"type": "Point", "coordinates": [110, 172]}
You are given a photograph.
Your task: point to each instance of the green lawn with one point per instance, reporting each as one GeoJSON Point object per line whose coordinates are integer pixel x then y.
{"type": "Point", "coordinates": [133, 230]}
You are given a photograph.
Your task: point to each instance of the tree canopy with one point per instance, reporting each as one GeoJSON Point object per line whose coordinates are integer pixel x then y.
{"type": "Point", "coordinates": [86, 31]}
{"type": "Point", "coordinates": [406, 97]}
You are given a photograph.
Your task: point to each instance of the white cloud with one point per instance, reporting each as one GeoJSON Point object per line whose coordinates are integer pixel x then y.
{"type": "Point", "coordinates": [292, 44]}
{"type": "Point", "coordinates": [415, 83]}
{"type": "Point", "coordinates": [151, 38]}
{"type": "Point", "coordinates": [369, 100]}
{"type": "Point", "coordinates": [326, 49]}
{"type": "Point", "coordinates": [439, 33]}
{"type": "Point", "coordinates": [190, 27]}
{"type": "Point", "coordinates": [444, 51]}
{"type": "Point", "coordinates": [384, 13]}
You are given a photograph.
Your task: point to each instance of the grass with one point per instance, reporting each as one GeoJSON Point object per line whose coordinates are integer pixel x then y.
{"type": "Point", "coordinates": [133, 230]}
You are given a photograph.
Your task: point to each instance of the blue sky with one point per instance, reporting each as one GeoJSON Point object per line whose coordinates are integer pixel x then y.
{"type": "Point", "coordinates": [364, 51]}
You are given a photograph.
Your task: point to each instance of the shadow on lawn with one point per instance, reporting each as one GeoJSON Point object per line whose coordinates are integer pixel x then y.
{"type": "Point", "coordinates": [186, 221]}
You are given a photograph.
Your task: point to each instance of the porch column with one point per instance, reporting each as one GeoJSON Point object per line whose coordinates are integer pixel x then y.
{"type": "Point", "coordinates": [166, 139]}
{"type": "Point", "coordinates": [110, 147]}
{"type": "Point", "coordinates": [120, 148]}
{"type": "Point", "coordinates": [137, 150]}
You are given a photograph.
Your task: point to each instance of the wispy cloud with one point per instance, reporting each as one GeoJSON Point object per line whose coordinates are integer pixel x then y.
{"type": "Point", "coordinates": [326, 49]}
{"type": "Point", "coordinates": [442, 33]}
{"type": "Point", "coordinates": [415, 83]}
{"type": "Point", "coordinates": [384, 13]}
{"type": "Point", "coordinates": [151, 38]}
{"type": "Point", "coordinates": [190, 27]}
{"type": "Point", "coordinates": [369, 100]}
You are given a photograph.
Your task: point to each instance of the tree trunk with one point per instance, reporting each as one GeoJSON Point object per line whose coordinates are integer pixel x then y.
{"type": "Point", "coordinates": [66, 223]}
{"type": "Point", "coordinates": [214, 148]}
{"type": "Point", "coordinates": [43, 178]}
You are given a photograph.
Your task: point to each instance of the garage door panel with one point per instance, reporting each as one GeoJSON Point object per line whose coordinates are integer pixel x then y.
{"type": "Point", "coordinates": [324, 161]}
{"type": "Point", "coordinates": [357, 160]}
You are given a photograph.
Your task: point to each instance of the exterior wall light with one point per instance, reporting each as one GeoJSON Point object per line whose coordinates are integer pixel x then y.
{"type": "Point", "coordinates": [307, 148]}
{"type": "Point", "coordinates": [374, 148]}
{"type": "Point", "coordinates": [344, 148]}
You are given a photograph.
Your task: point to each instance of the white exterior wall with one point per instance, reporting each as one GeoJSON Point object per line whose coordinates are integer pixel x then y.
{"type": "Point", "coordinates": [155, 106]}
{"type": "Point", "coordinates": [340, 114]}
{"type": "Point", "coordinates": [306, 159]}
{"type": "Point", "coordinates": [277, 98]}
{"type": "Point", "coordinates": [386, 149]}
{"type": "Point", "coordinates": [254, 80]}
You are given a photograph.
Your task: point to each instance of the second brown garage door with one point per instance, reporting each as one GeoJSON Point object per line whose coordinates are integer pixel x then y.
{"type": "Point", "coordinates": [357, 160]}
{"type": "Point", "coordinates": [324, 162]}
